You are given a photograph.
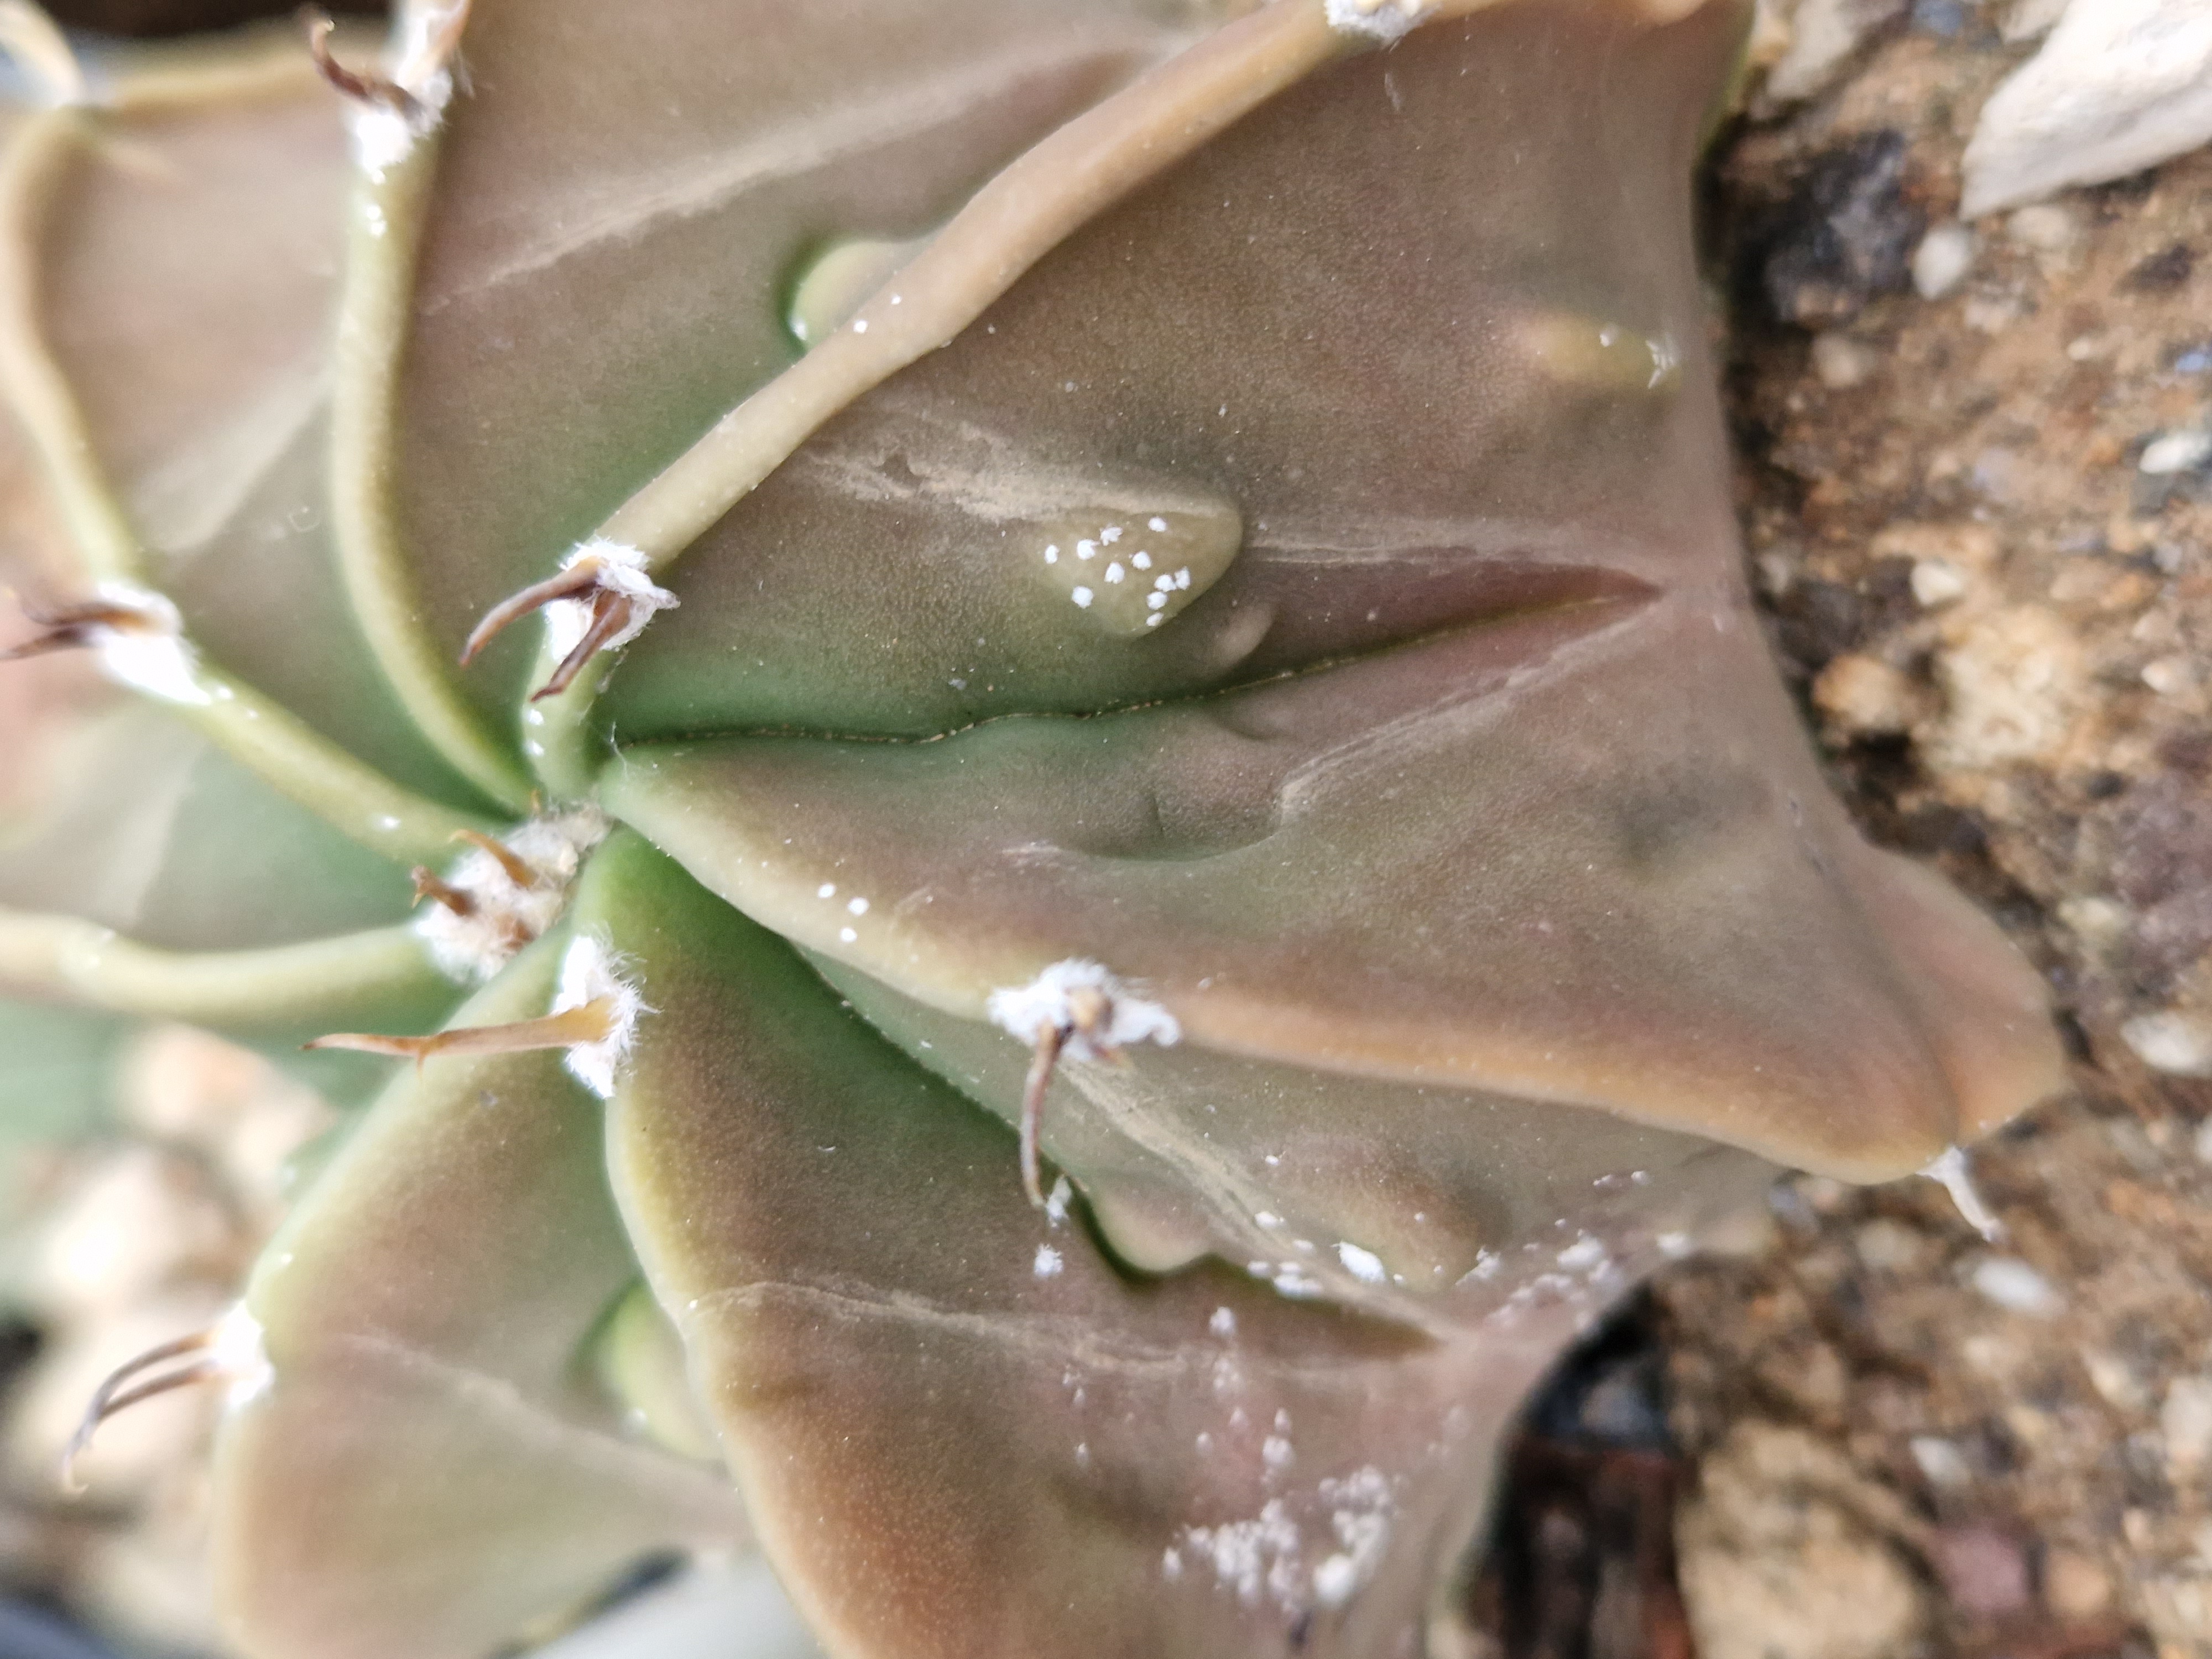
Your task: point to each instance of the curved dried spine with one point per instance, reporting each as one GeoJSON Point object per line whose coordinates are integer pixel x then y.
{"type": "Point", "coordinates": [395, 173]}
{"type": "Point", "coordinates": [228, 1352]}
{"type": "Point", "coordinates": [295, 759]}
{"type": "Point", "coordinates": [286, 985]}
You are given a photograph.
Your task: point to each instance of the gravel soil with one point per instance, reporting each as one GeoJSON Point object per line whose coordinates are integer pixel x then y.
{"type": "Point", "coordinates": [1994, 589]}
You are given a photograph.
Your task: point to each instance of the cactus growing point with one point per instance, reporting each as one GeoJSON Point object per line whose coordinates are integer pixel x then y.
{"type": "Point", "coordinates": [1140, 596]}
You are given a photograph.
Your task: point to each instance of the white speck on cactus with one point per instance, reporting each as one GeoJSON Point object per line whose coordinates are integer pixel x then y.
{"type": "Point", "coordinates": [1376, 20]}
{"type": "Point", "coordinates": [618, 568]}
{"type": "Point", "coordinates": [1110, 534]}
{"type": "Point", "coordinates": [1083, 596]}
{"type": "Point", "coordinates": [859, 907]}
{"type": "Point", "coordinates": [590, 972]}
{"type": "Point", "coordinates": [1055, 1206]}
{"type": "Point", "coordinates": [1047, 1264]}
{"type": "Point", "coordinates": [827, 889]}
{"type": "Point", "coordinates": [1224, 1322]}
{"type": "Point", "coordinates": [1050, 1002]}
{"type": "Point", "coordinates": [1362, 1265]}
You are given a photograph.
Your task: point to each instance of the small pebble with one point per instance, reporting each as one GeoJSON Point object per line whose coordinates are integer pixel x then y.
{"type": "Point", "coordinates": [2170, 676]}
{"type": "Point", "coordinates": [1984, 1571]}
{"type": "Point", "coordinates": [1937, 581]}
{"type": "Point", "coordinates": [2045, 227]}
{"type": "Point", "coordinates": [1941, 1462]}
{"type": "Point", "coordinates": [2017, 1287]}
{"type": "Point", "coordinates": [2175, 451]}
{"type": "Point", "coordinates": [2075, 1586]}
{"type": "Point", "coordinates": [2184, 1422]}
{"type": "Point", "coordinates": [2176, 1043]}
{"type": "Point", "coordinates": [1887, 1246]}
{"type": "Point", "coordinates": [1842, 362]}
{"type": "Point", "coordinates": [1941, 261]}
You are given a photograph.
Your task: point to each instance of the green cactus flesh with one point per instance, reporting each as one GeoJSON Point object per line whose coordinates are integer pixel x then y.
{"type": "Point", "coordinates": [1158, 572]}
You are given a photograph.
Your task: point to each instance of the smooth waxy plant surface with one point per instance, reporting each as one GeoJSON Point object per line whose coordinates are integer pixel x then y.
{"type": "Point", "coordinates": [768, 624]}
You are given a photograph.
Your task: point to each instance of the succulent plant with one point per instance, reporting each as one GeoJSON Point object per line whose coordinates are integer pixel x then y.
{"type": "Point", "coordinates": [1138, 593]}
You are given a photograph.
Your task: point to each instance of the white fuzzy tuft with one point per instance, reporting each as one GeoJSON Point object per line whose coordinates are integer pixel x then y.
{"type": "Point", "coordinates": [236, 1347]}
{"type": "Point", "coordinates": [383, 137]}
{"type": "Point", "coordinates": [1048, 1003]}
{"type": "Point", "coordinates": [619, 568]}
{"type": "Point", "coordinates": [1376, 20]}
{"type": "Point", "coordinates": [151, 654]}
{"type": "Point", "coordinates": [506, 917]}
{"type": "Point", "coordinates": [590, 972]}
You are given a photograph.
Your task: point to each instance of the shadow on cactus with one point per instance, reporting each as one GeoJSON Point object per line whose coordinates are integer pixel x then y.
{"type": "Point", "coordinates": [1138, 591]}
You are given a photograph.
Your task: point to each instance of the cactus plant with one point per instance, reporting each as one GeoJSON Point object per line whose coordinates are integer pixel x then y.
{"type": "Point", "coordinates": [1136, 594]}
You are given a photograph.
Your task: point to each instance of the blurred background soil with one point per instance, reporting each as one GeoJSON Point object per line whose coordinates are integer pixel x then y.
{"type": "Point", "coordinates": [1977, 484]}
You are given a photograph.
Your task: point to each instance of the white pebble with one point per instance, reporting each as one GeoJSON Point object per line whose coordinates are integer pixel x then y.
{"type": "Point", "coordinates": [2175, 451]}
{"type": "Point", "coordinates": [1941, 261]}
{"type": "Point", "coordinates": [2176, 1043]}
{"type": "Point", "coordinates": [1937, 581]}
{"type": "Point", "coordinates": [2017, 1287]}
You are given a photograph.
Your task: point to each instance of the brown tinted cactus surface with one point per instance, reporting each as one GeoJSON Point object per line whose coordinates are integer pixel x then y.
{"type": "Point", "coordinates": [1150, 577]}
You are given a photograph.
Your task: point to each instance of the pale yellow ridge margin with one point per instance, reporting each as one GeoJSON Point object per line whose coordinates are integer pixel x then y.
{"type": "Point", "coordinates": [292, 758]}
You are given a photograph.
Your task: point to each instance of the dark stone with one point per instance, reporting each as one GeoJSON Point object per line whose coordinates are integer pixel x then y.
{"type": "Point", "coordinates": [1820, 621]}
{"type": "Point", "coordinates": [1844, 234]}
{"type": "Point", "coordinates": [2163, 271]}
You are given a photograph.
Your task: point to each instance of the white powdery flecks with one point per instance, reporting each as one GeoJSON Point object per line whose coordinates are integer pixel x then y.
{"type": "Point", "coordinates": [1360, 1508]}
{"type": "Point", "coordinates": [1377, 20]}
{"type": "Point", "coordinates": [617, 567]}
{"type": "Point", "coordinates": [590, 972]}
{"type": "Point", "coordinates": [505, 915]}
{"type": "Point", "coordinates": [149, 653]}
{"type": "Point", "coordinates": [1054, 1001]}
{"type": "Point", "coordinates": [1265, 1556]}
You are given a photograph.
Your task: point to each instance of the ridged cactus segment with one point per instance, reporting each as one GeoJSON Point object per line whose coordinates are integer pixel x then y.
{"type": "Point", "coordinates": [963, 1435]}
{"type": "Point", "coordinates": [430, 1469]}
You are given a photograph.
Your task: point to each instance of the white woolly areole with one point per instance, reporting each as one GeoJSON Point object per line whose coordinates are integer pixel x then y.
{"type": "Point", "coordinates": [616, 566]}
{"type": "Point", "coordinates": [506, 916]}
{"type": "Point", "coordinates": [1048, 1002]}
{"type": "Point", "coordinates": [235, 1345]}
{"type": "Point", "coordinates": [590, 972]}
{"type": "Point", "coordinates": [151, 655]}
{"type": "Point", "coordinates": [1376, 20]}
{"type": "Point", "coordinates": [382, 137]}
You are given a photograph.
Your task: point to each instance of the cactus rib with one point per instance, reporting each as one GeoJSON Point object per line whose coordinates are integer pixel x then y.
{"type": "Point", "coordinates": [383, 240]}
{"type": "Point", "coordinates": [304, 984]}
